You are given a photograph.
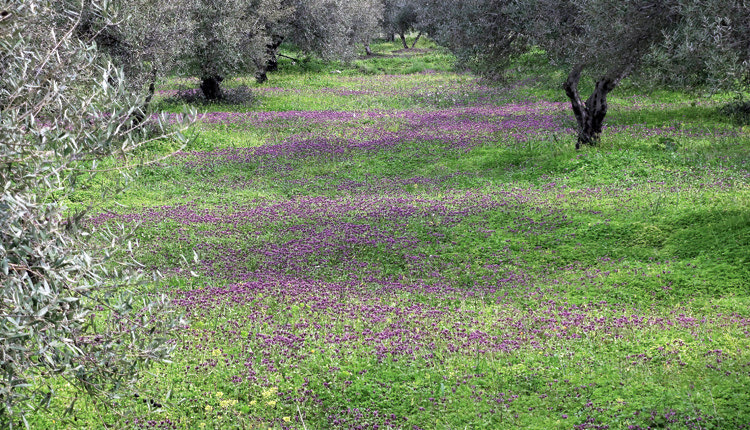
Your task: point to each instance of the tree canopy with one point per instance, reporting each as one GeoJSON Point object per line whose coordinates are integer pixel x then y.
{"type": "Point", "coordinates": [215, 39]}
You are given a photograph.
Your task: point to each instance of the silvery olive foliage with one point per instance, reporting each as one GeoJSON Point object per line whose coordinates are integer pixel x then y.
{"type": "Point", "coordinates": [709, 49]}
{"type": "Point", "coordinates": [483, 34]}
{"type": "Point", "coordinates": [333, 28]}
{"type": "Point", "coordinates": [68, 311]}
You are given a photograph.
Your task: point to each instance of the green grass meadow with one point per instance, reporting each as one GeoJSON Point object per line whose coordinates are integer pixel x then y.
{"type": "Point", "coordinates": [391, 244]}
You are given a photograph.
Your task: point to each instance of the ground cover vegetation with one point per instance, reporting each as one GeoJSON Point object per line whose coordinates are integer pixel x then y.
{"type": "Point", "coordinates": [386, 243]}
{"type": "Point", "coordinates": [432, 251]}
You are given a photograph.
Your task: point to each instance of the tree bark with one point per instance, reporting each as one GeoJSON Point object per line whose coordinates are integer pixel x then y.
{"type": "Point", "coordinates": [416, 40]}
{"type": "Point", "coordinates": [403, 40]}
{"type": "Point", "coordinates": [211, 87]}
{"type": "Point", "coordinates": [590, 114]}
{"type": "Point", "coordinates": [272, 62]}
{"type": "Point", "coordinates": [261, 76]}
{"type": "Point", "coordinates": [261, 68]}
{"type": "Point", "coordinates": [140, 115]}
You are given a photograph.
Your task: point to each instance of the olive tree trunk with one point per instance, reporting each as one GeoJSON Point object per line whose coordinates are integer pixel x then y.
{"type": "Point", "coordinates": [416, 40]}
{"type": "Point", "coordinates": [211, 87]}
{"type": "Point", "coordinates": [271, 50]}
{"type": "Point", "coordinates": [271, 63]}
{"type": "Point", "coordinates": [403, 40]}
{"type": "Point", "coordinates": [590, 114]}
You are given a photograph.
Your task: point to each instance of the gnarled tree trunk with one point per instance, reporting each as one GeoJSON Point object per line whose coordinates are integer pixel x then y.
{"type": "Point", "coordinates": [271, 64]}
{"type": "Point", "coordinates": [261, 76]}
{"type": "Point", "coordinates": [211, 87]}
{"type": "Point", "coordinates": [416, 40]}
{"type": "Point", "coordinates": [590, 114]}
{"type": "Point", "coordinates": [403, 40]}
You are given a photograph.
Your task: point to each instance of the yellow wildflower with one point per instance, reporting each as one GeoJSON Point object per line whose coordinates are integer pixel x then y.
{"type": "Point", "coordinates": [227, 403]}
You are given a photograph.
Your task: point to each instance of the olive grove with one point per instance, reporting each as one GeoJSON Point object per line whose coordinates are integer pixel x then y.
{"type": "Point", "coordinates": [77, 78]}
{"type": "Point", "coordinates": [216, 39]}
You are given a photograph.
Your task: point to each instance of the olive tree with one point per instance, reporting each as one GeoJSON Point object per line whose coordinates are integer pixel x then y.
{"type": "Point", "coordinates": [143, 37]}
{"type": "Point", "coordinates": [687, 43]}
{"type": "Point", "coordinates": [330, 29]}
{"type": "Point", "coordinates": [400, 17]}
{"type": "Point", "coordinates": [333, 28]}
{"type": "Point", "coordinates": [483, 34]}
{"type": "Point", "coordinates": [576, 34]}
{"type": "Point", "coordinates": [365, 17]}
{"type": "Point", "coordinates": [68, 306]}
{"type": "Point", "coordinates": [228, 37]}
{"type": "Point", "coordinates": [151, 50]}
{"type": "Point", "coordinates": [683, 42]}
{"type": "Point", "coordinates": [606, 39]}
{"type": "Point", "coordinates": [210, 39]}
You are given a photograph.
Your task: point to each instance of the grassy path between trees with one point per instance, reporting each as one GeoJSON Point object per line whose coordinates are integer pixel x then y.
{"type": "Point", "coordinates": [429, 251]}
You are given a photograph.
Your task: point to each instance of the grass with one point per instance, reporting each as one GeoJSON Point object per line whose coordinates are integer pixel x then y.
{"type": "Point", "coordinates": [385, 249]}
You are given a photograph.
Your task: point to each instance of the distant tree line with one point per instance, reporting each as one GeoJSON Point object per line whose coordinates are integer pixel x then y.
{"type": "Point", "coordinates": [215, 39]}
{"type": "Point", "coordinates": [682, 43]}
